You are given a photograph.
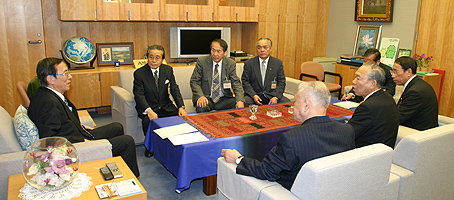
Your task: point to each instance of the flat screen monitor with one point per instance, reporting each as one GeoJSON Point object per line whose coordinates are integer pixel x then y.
{"type": "Point", "coordinates": [194, 42]}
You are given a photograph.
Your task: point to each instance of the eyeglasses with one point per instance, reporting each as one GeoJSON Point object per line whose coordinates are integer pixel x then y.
{"type": "Point", "coordinates": [219, 51]}
{"type": "Point", "coordinates": [262, 47]}
{"type": "Point", "coordinates": [63, 74]}
{"type": "Point", "coordinates": [394, 71]}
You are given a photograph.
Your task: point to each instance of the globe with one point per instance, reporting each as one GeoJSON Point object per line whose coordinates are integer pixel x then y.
{"type": "Point", "coordinates": [78, 50]}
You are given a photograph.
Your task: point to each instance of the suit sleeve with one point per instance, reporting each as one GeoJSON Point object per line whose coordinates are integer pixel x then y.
{"type": "Point", "coordinates": [236, 83]}
{"type": "Point", "coordinates": [245, 79]}
{"type": "Point", "coordinates": [196, 82]}
{"type": "Point", "coordinates": [411, 103]}
{"type": "Point", "coordinates": [390, 86]}
{"type": "Point", "coordinates": [139, 93]}
{"type": "Point", "coordinates": [361, 120]}
{"type": "Point", "coordinates": [280, 158]}
{"type": "Point", "coordinates": [175, 90]}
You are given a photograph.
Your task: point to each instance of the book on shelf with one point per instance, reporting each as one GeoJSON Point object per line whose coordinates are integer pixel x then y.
{"type": "Point", "coordinates": [351, 57]}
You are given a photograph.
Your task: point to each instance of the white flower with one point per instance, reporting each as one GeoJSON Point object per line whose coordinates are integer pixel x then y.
{"type": "Point", "coordinates": [32, 170]}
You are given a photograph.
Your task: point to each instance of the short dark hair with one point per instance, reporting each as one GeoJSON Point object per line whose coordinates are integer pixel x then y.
{"type": "Point", "coordinates": [375, 52]}
{"type": "Point", "coordinates": [407, 63]}
{"type": "Point", "coordinates": [221, 42]}
{"type": "Point", "coordinates": [46, 67]}
{"type": "Point", "coordinates": [157, 47]}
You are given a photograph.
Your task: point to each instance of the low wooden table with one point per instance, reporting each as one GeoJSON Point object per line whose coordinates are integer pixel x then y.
{"type": "Point", "coordinates": [17, 181]}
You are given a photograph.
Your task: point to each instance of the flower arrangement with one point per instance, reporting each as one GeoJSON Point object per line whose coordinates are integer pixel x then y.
{"type": "Point", "coordinates": [51, 168]}
{"type": "Point", "coordinates": [423, 60]}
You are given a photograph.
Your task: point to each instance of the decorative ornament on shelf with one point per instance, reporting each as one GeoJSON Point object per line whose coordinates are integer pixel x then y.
{"type": "Point", "coordinates": [423, 62]}
{"type": "Point", "coordinates": [51, 164]}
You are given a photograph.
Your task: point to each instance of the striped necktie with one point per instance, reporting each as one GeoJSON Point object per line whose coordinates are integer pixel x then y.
{"type": "Point", "coordinates": [215, 93]}
{"type": "Point", "coordinates": [156, 79]}
{"type": "Point", "coordinates": [263, 72]}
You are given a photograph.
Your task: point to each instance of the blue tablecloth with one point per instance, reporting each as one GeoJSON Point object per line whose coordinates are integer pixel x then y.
{"type": "Point", "coordinates": [191, 161]}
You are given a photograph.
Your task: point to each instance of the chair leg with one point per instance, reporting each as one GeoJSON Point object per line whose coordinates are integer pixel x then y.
{"type": "Point", "coordinates": [339, 96]}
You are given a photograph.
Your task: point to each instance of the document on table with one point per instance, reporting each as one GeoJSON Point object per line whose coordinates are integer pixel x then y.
{"type": "Point", "coordinates": [187, 138]}
{"type": "Point", "coordinates": [174, 130]}
{"type": "Point", "coordinates": [346, 104]}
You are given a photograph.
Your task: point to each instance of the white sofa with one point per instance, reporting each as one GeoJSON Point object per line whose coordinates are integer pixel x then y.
{"type": "Point", "coordinates": [363, 173]}
{"type": "Point", "coordinates": [123, 104]}
{"type": "Point", "coordinates": [11, 154]}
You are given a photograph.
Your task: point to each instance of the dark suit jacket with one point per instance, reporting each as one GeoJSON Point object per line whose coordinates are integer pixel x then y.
{"type": "Point", "coordinates": [53, 118]}
{"type": "Point", "coordinates": [202, 78]}
{"type": "Point", "coordinates": [376, 120]}
{"type": "Point", "coordinates": [252, 78]}
{"type": "Point", "coordinates": [418, 105]}
{"type": "Point", "coordinates": [315, 138]}
{"type": "Point", "coordinates": [389, 84]}
{"type": "Point", "coordinates": [146, 94]}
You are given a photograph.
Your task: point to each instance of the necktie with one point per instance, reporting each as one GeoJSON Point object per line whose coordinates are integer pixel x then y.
{"type": "Point", "coordinates": [156, 79]}
{"type": "Point", "coordinates": [215, 94]}
{"type": "Point", "coordinates": [263, 72]}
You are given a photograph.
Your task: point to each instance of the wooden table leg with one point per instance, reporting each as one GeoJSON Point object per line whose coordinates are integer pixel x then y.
{"type": "Point", "coordinates": [209, 185]}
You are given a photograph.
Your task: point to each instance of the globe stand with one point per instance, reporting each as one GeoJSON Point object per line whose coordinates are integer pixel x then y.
{"type": "Point", "coordinates": [79, 66]}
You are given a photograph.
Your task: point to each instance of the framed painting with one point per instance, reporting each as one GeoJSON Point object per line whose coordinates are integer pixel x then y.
{"type": "Point", "coordinates": [367, 37]}
{"type": "Point", "coordinates": [404, 52]}
{"type": "Point", "coordinates": [109, 53]}
{"type": "Point", "coordinates": [374, 10]}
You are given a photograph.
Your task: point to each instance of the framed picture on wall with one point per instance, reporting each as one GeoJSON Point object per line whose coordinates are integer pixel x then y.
{"type": "Point", "coordinates": [367, 37]}
{"type": "Point", "coordinates": [404, 52]}
{"type": "Point", "coordinates": [374, 10]}
{"type": "Point", "coordinates": [109, 53]}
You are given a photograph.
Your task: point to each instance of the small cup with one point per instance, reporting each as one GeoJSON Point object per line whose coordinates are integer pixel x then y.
{"type": "Point", "coordinates": [290, 110]}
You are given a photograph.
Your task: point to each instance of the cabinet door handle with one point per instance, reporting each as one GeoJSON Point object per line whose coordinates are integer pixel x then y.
{"type": "Point", "coordinates": [35, 42]}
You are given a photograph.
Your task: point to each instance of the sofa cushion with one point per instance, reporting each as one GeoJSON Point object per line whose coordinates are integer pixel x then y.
{"type": "Point", "coordinates": [26, 131]}
{"type": "Point", "coordinates": [8, 141]}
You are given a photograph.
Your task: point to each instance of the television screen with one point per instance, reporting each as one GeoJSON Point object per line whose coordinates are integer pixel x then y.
{"type": "Point", "coordinates": [197, 42]}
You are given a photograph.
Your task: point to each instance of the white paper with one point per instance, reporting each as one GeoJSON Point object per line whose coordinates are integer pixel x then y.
{"type": "Point", "coordinates": [174, 130]}
{"type": "Point", "coordinates": [187, 138]}
{"type": "Point", "coordinates": [128, 187]}
{"type": "Point", "coordinates": [346, 104]}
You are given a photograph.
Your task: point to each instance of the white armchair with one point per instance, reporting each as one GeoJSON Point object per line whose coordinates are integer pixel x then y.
{"type": "Point", "coordinates": [363, 173]}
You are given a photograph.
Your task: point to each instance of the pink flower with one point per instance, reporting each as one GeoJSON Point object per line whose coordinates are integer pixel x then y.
{"type": "Point", "coordinates": [366, 40]}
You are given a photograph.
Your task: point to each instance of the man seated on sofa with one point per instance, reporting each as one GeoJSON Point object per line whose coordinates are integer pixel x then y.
{"type": "Point", "coordinates": [418, 104]}
{"type": "Point", "coordinates": [54, 115]}
{"type": "Point", "coordinates": [263, 76]}
{"type": "Point", "coordinates": [213, 79]}
{"type": "Point", "coordinates": [151, 83]}
{"type": "Point", "coordinates": [373, 55]}
{"type": "Point", "coordinates": [317, 136]}
{"type": "Point", "coordinates": [376, 119]}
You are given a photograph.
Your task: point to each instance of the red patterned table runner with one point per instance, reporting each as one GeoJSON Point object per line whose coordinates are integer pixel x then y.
{"type": "Point", "coordinates": [236, 122]}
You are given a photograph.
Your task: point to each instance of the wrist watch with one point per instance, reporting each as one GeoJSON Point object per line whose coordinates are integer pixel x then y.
{"type": "Point", "coordinates": [238, 160]}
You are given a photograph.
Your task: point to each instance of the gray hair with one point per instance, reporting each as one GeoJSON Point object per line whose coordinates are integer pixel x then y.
{"type": "Point", "coordinates": [269, 40]}
{"type": "Point", "coordinates": [316, 92]}
{"type": "Point", "coordinates": [375, 73]}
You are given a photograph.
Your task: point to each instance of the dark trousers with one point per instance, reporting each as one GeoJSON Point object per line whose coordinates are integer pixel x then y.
{"type": "Point", "coordinates": [161, 113]}
{"type": "Point", "coordinates": [223, 104]}
{"type": "Point", "coordinates": [122, 145]}
{"type": "Point", "coordinates": [265, 100]}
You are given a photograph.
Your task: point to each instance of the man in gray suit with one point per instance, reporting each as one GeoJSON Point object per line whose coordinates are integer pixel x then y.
{"type": "Point", "coordinates": [263, 76]}
{"type": "Point", "coordinates": [213, 80]}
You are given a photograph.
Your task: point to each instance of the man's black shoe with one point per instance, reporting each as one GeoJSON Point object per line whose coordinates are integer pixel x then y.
{"type": "Point", "coordinates": [148, 153]}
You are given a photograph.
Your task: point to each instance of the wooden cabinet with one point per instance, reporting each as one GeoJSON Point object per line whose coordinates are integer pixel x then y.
{"type": "Point", "coordinates": [85, 91]}
{"type": "Point", "coordinates": [111, 11]}
{"type": "Point", "coordinates": [147, 10]}
{"type": "Point", "coordinates": [236, 11]}
{"type": "Point", "coordinates": [108, 79]}
{"type": "Point", "coordinates": [186, 10]}
{"type": "Point", "coordinates": [347, 72]}
{"type": "Point", "coordinates": [76, 10]}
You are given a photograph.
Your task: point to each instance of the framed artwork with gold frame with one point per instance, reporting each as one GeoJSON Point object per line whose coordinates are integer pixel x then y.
{"type": "Point", "coordinates": [367, 37]}
{"type": "Point", "coordinates": [374, 10]}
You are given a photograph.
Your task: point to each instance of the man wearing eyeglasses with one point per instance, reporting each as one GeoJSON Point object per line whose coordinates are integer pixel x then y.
{"type": "Point", "coordinates": [54, 115]}
{"type": "Point", "coordinates": [418, 105]}
{"type": "Point", "coordinates": [263, 77]}
{"type": "Point", "coordinates": [213, 80]}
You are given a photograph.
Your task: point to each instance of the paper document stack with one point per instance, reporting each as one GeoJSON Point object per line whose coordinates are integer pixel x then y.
{"type": "Point", "coordinates": [346, 104]}
{"type": "Point", "coordinates": [181, 134]}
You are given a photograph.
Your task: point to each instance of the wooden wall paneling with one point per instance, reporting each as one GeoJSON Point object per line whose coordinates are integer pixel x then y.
{"type": "Point", "coordinates": [72, 10]}
{"type": "Point", "coordinates": [321, 34]}
{"type": "Point", "coordinates": [107, 79]}
{"type": "Point", "coordinates": [172, 12]}
{"type": "Point", "coordinates": [110, 11]}
{"type": "Point", "coordinates": [8, 89]}
{"type": "Point", "coordinates": [249, 36]}
{"type": "Point", "coordinates": [144, 11]}
{"type": "Point", "coordinates": [85, 91]}
{"type": "Point", "coordinates": [202, 12]}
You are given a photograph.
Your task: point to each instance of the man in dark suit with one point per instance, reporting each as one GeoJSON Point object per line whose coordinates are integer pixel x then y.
{"type": "Point", "coordinates": [151, 90]}
{"type": "Point", "coordinates": [317, 136]}
{"type": "Point", "coordinates": [55, 115]}
{"type": "Point", "coordinates": [213, 79]}
{"type": "Point", "coordinates": [418, 105]}
{"type": "Point", "coordinates": [263, 76]}
{"type": "Point", "coordinates": [376, 119]}
{"type": "Point", "coordinates": [373, 55]}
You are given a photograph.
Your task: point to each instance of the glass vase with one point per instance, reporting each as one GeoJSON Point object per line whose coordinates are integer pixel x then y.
{"type": "Point", "coordinates": [51, 163]}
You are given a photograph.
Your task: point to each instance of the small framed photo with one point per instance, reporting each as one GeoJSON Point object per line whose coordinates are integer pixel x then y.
{"type": "Point", "coordinates": [109, 53]}
{"type": "Point", "coordinates": [374, 10]}
{"type": "Point", "coordinates": [404, 52]}
{"type": "Point", "coordinates": [367, 37]}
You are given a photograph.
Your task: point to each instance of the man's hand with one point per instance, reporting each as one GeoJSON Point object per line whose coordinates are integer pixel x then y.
{"type": "Point", "coordinates": [85, 140]}
{"type": "Point", "coordinates": [239, 104]}
{"type": "Point", "coordinates": [273, 100]}
{"type": "Point", "coordinates": [151, 114]}
{"type": "Point", "coordinates": [230, 155]}
{"type": "Point", "coordinates": [87, 127]}
{"type": "Point", "coordinates": [202, 102]}
{"type": "Point", "coordinates": [182, 111]}
{"type": "Point", "coordinates": [257, 99]}
{"type": "Point", "coordinates": [346, 97]}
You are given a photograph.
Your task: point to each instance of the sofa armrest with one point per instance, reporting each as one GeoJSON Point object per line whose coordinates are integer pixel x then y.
{"type": "Point", "coordinates": [277, 192]}
{"type": "Point", "coordinates": [10, 163]}
{"type": "Point", "coordinates": [292, 85]}
{"type": "Point", "coordinates": [235, 186]}
{"type": "Point", "coordinates": [123, 101]}
{"type": "Point", "coordinates": [443, 120]}
{"type": "Point", "coordinates": [404, 132]}
{"type": "Point", "coordinates": [406, 181]}
{"type": "Point", "coordinates": [93, 150]}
